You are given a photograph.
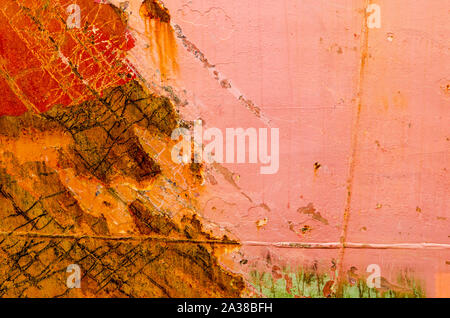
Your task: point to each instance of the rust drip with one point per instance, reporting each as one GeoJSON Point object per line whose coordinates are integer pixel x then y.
{"type": "Point", "coordinates": [162, 47]}
{"type": "Point", "coordinates": [354, 145]}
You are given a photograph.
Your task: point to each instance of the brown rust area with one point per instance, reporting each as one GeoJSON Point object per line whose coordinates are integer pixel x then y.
{"type": "Point", "coordinates": [153, 9]}
{"type": "Point", "coordinates": [152, 221]}
{"type": "Point", "coordinates": [310, 210]}
{"type": "Point", "coordinates": [94, 185]}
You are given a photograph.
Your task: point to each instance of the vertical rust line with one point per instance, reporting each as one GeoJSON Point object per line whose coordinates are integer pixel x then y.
{"type": "Point", "coordinates": [354, 145]}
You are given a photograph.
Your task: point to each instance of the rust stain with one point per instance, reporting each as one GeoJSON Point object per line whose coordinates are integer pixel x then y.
{"type": "Point", "coordinates": [310, 210]}
{"type": "Point", "coordinates": [354, 143]}
{"type": "Point", "coordinates": [261, 223]}
{"type": "Point", "coordinates": [445, 88]}
{"type": "Point", "coordinates": [317, 166]}
{"type": "Point", "coordinates": [163, 47]}
{"type": "Point", "coordinates": [97, 179]}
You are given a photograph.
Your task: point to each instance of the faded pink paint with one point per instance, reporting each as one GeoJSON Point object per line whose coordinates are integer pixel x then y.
{"type": "Point", "coordinates": [300, 61]}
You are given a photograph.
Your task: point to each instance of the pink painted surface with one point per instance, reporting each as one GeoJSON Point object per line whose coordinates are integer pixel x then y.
{"type": "Point", "coordinates": [310, 66]}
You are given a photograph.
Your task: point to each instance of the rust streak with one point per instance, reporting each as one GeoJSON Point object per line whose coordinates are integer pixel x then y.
{"type": "Point", "coordinates": [354, 142]}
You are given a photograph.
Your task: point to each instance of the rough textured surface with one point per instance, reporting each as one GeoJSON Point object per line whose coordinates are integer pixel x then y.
{"type": "Point", "coordinates": [45, 225]}
{"type": "Point", "coordinates": [86, 175]}
{"type": "Point", "coordinates": [78, 186]}
{"type": "Point", "coordinates": [44, 228]}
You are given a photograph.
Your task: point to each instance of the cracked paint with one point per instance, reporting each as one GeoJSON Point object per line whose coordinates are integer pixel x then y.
{"type": "Point", "coordinates": [358, 89]}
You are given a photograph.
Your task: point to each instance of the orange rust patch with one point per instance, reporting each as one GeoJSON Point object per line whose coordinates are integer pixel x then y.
{"type": "Point", "coordinates": [162, 46]}
{"type": "Point", "coordinates": [97, 179]}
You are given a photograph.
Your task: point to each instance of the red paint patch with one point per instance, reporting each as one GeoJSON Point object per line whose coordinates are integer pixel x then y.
{"type": "Point", "coordinates": [49, 64]}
